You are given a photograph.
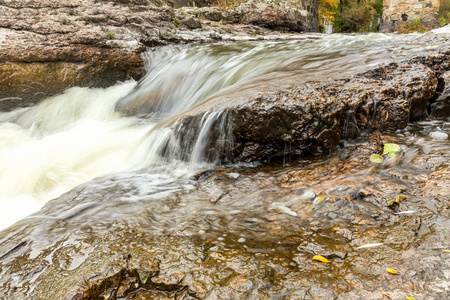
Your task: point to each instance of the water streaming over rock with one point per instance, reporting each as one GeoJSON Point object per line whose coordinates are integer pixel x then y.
{"type": "Point", "coordinates": [85, 133]}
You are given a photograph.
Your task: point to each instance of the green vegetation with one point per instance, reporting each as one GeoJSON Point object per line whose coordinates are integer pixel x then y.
{"type": "Point", "coordinates": [412, 26]}
{"type": "Point", "coordinates": [357, 16]}
{"type": "Point", "coordinates": [111, 34]}
{"type": "Point", "coordinates": [102, 20]}
{"type": "Point", "coordinates": [444, 12]}
{"type": "Point", "coordinates": [176, 22]}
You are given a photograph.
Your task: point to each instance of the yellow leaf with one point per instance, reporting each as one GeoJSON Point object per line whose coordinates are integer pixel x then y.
{"type": "Point", "coordinates": [391, 147]}
{"type": "Point", "coordinates": [320, 198]}
{"type": "Point", "coordinates": [396, 199]}
{"type": "Point", "coordinates": [392, 271]}
{"type": "Point", "coordinates": [410, 298]}
{"type": "Point", "coordinates": [376, 158]}
{"type": "Point", "coordinates": [320, 258]}
{"type": "Point", "coordinates": [446, 251]}
{"type": "Point", "coordinates": [386, 294]}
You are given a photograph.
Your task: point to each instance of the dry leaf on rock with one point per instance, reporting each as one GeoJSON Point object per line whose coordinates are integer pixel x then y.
{"type": "Point", "coordinates": [320, 258]}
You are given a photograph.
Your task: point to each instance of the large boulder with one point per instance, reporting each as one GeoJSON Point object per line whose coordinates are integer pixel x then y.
{"type": "Point", "coordinates": [268, 14]}
{"type": "Point", "coordinates": [311, 117]}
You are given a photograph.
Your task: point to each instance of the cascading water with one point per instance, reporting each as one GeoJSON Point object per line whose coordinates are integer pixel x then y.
{"type": "Point", "coordinates": [72, 138]}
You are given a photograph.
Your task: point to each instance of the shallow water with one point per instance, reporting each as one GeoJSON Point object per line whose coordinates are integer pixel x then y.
{"type": "Point", "coordinates": [250, 228]}
{"type": "Point", "coordinates": [72, 138]}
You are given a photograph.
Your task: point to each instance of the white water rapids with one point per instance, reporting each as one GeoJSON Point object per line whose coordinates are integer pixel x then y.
{"type": "Point", "coordinates": [72, 138]}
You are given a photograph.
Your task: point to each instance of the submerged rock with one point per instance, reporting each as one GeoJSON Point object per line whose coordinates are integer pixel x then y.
{"type": "Point", "coordinates": [256, 241]}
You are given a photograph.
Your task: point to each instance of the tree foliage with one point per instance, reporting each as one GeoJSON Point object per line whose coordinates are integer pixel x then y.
{"type": "Point", "coordinates": [350, 15]}
{"type": "Point", "coordinates": [356, 16]}
{"type": "Point", "coordinates": [327, 10]}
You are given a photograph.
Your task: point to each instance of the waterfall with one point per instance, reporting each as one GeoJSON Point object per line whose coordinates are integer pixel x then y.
{"type": "Point", "coordinates": [84, 133]}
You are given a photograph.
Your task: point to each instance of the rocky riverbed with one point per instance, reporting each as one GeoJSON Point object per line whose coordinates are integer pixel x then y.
{"type": "Point", "coordinates": [251, 231]}
{"type": "Point", "coordinates": [240, 232]}
{"type": "Point", "coordinates": [247, 230]}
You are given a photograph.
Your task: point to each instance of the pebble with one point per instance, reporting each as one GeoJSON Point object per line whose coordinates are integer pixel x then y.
{"type": "Point", "coordinates": [241, 240]}
{"type": "Point", "coordinates": [332, 215]}
{"type": "Point", "coordinates": [438, 135]}
{"type": "Point", "coordinates": [309, 195]}
{"type": "Point", "coordinates": [233, 175]}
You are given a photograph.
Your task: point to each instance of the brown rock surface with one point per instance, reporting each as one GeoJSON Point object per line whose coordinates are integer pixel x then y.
{"type": "Point", "coordinates": [440, 108]}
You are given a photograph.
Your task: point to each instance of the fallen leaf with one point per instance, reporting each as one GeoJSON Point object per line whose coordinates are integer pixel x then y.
{"type": "Point", "coordinates": [320, 258]}
{"type": "Point", "coordinates": [320, 198]}
{"type": "Point", "coordinates": [393, 154]}
{"type": "Point", "coordinates": [390, 147]}
{"type": "Point", "coordinates": [446, 251]}
{"type": "Point", "coordinates": [392, 271]}
{"type": "Point", "coordinates": [396, 199]}
{"type": "Point", "coordinates": [410, 298]}
{"type": "Point", "coordinates": [386, 294]}
{"type": "Point", "coordinates": [376, 158]}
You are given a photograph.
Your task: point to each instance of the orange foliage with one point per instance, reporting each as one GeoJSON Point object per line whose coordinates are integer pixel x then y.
{"type": "Point", "coordinates": [327, 10]}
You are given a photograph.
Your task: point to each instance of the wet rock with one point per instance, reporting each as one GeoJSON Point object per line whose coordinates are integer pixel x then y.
{"type": "Point", "coordinates": [314, 117]}
{"type": "Point", "coordinates": [440, 108]}
{"type": "Point", "coordinates": [249, 247]}
{"type": "Point", "coordinates": [438, 63]}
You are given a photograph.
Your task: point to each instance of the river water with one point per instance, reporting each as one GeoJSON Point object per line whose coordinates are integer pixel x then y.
{"type": "Point", "coordinates": [72, 138]}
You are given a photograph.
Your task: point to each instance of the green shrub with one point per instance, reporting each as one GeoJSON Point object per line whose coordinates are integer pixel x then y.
{"type": "Point", "coordinates": [444, 12]}
{"type": "Point", "coordinates": [412, 26]}
{"type": "Point", "coordinates": [354, 16]}
{"type": "Point", "coordinates": [176, 22]}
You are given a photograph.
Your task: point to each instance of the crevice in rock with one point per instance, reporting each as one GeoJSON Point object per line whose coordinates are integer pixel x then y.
{"type": "Point", "coordinates": [13, 250]}
{"type": "Point", "coordinates": [439, 90]}
{"type": "Point", "coordinates": [128, 282]}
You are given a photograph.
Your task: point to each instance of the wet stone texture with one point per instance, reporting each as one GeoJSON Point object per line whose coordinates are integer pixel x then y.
{"type": "Point", "coordinates": [250, 232]}
{"type": "Point", "coordinates": [440, 108]}
{"type": "Point", "coordinates": [314, 117]}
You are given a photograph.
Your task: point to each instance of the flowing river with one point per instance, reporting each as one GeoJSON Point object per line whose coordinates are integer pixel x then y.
{"type": "Point", "coordinates": [99, 194]}
{"type": "Point", "coordinates": [72, 138]}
